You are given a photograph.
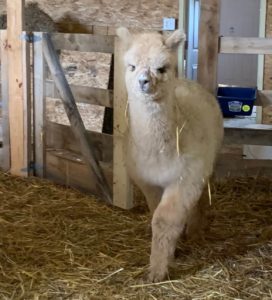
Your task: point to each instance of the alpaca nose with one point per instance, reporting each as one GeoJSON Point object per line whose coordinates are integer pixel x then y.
{"type": "Point", "coordinates": [144, 81]}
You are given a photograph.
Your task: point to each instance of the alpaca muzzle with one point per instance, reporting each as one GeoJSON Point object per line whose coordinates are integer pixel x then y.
{"type": "Point", "coordinates": [145, 82]}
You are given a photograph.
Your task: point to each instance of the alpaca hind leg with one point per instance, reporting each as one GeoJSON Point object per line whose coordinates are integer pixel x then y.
{"type": "Point", "coordinates": [197, 219]}
{"type": "Point", "coordinates": [153, 195]}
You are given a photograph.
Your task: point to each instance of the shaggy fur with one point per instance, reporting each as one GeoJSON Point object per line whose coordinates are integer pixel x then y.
{"type": "Point", "coordinates": [175, 132]}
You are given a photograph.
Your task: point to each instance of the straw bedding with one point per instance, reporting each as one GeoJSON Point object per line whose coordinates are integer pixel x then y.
{"type": "Point", "coordinates": [56, 243]}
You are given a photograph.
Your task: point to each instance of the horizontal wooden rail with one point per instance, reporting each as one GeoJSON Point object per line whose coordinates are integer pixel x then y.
{"type": "Point", "coordinates": [245, 45]}
{"type": "Point", "coordinates": [83, 42]}
{"type": "Point", "coordinates": [68, 168]}
{"type": "Point", "coordinates": [83, 94]}
{"type": "Point", "coordinates": [61, 136]}
{"type": "Point", "coordinates": [249, 136]}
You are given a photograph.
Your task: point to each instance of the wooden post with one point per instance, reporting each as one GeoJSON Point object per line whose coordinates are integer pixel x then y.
{"type": "Point", "coordinates": [18, 102]}
{"type": "Point", "coordinates": [5, 159]}
{"type": "Point", "coordinates": [74, 116]}
{"type": "Point", "coordinates": [122, 188]}
{"type": "Point", "coordinates": [208, 44]}
{"type": "Point", "coordinates": [39, 105]}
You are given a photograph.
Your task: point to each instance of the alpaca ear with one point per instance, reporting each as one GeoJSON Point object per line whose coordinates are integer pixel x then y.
{"type": "Point", "coordinates": [124, 35]}
{"type": "Point", "coordinates": [175, 39]}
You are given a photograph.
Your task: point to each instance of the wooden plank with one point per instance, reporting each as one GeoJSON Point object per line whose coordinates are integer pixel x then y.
{"type": "Point", "coordinates": [245, 45]}
{"type": "Point", "coordinates": [249, 136]}
{"type": "Point", "coordinates": [74, 117]}
{"type": "Point", "coordinates": [262, 25]}
{"type": "Point", "coordinates": [83, 94]}
{"type": "Point", "coordinates": [181, 26]}
{"type": "Point", "coordinates": [17, 104]}
{"type": "Point", "coordinates": [122, 188]}
{"type": "Point", "coordinates": [100, 30]}
{"type": "Point", "coordinates": [61, 136]}
{"type": "Point", "coordinates": [265, 99]}
{"type": "Point", "coordinates": [208, 44]}
{"type": "Point", "coordinates": [68, 168]}
{"type": "Point", "coordinates": [83, 42]}
{"type": "Point", "coordinates": [5, 153]}
{"type": "Point", "coordinates": [39, 105]}
{"type": "Point", "coordinates": [228, 166]}
{"type": "Point", "coordinates": [27, 100]}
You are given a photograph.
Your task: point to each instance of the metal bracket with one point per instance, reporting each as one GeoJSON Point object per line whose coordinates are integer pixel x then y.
{"type": "Point", "coordinates": [30, 37]}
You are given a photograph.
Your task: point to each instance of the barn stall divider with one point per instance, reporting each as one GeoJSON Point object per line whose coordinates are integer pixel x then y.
{"type": "Point", "coordinates": [60, 152]}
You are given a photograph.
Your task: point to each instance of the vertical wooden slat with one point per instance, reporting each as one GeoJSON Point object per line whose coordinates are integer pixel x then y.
{"type": "Point", "coordinates": [208, 44]}
{"type": "Point", "coordinates": [5, 158]}
{"type": "Point", "coordinates": [39, 105]}
{"type": "Point", "coordinates": [19, 146]}
{"type": "Point", "coordinates": [27, 100]}
{"type": "Point", "coordinates": [181, 25]}
{"type": "Point", "coordinates": [122, 188]}
{"type": "Point", "coordinates": [260, 71]}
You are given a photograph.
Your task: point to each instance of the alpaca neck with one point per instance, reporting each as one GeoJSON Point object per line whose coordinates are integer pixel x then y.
{"type": "Point", "coordinates": [152, 119]}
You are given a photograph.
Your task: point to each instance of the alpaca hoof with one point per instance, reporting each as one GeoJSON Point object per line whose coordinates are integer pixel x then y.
{"type": "Point", "coordinates": [157, 274]}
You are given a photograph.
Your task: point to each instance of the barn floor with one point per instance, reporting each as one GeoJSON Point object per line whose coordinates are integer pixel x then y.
{"type": "Point", "coordinates": [57, 243]}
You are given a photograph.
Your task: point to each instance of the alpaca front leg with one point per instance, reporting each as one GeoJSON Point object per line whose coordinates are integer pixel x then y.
{"type": "Point", "coordinates": [168, 222]}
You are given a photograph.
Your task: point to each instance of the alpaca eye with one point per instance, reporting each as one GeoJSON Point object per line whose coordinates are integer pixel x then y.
{"type": "Point", "coordinates": [131, 68]}
{"type": "Point", "coordinates": [162, 70]}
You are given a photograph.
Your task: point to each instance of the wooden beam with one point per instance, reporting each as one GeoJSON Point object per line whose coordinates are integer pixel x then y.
{"type": "Point", "coordinates": [245, 45]}
{"type": "Point", "coordinates": [208, 44]}
{"type": "Point", "coordinates": [39, 105]}
{"type": "Point", "coordinates": [83, 42]}
{"type": "Point", "coordinates": [61, 137]}
{"type": "Point", "coordinates": [18, 111]}
{"type": "Point", "coordinates": [74, 117]}
{"type": "Point", "coordinates": [262, 25]}
{"type": "Point", "coordinates": [68, 168]}
{"type": "Point", "coordinates": [181, 25]}
{"type": "Point", "coordinates": [5, 155]}
{"type": "Point", "coordinates": [122, 188]}
{"type": "Point", "coordinates": [249, 136]}
{"type": "Point", "coordinates": [83, 94]}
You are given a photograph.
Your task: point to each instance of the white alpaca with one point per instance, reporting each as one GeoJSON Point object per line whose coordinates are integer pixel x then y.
{"type": "Point", "coordinates": [175, 133]}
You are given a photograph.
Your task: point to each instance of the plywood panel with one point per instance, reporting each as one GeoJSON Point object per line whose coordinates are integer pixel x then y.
{"type": "Point", "coordinates": [80, 15]}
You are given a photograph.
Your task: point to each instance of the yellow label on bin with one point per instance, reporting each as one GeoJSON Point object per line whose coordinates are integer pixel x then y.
{"type": "Point", "coordinates": [246, 108]}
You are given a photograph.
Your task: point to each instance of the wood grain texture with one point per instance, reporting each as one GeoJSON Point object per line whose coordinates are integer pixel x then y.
{"type": "Point", "coordinates": [122, 188]}
{"type": "Point", "coordinates": [5, 151]}
{"type": "Point", "coordinates": [249, 136]}
{"type": "Point", "coordinates": [84, 94]}
{"type": "Point", "coordinates": [61, 137]}
{"type": "Point", "coordinates": [17, 103]}
{"type": "Point", "coordinates": [68, 168]}
{"type": "Point", "coordinates": [39, 105]}
{"type": "Point", "coordinates": [268, 58]}
{"type": "Point", "coordinates": [208, 44]}
{"type": "Point", "coordinates": [245, 45]}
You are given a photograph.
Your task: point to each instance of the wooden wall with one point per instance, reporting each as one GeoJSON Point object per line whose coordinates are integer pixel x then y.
{"type": "Point", "coordinates": [81, 14]}
{"type": "Point", "coordinates": [268, 58]}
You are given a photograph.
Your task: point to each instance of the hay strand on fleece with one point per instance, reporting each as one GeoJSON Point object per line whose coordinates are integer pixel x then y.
{"type": "Point", "coordinates": [57, 243]}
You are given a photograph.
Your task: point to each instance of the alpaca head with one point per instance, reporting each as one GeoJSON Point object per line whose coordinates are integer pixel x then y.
{"type": "Point", "coordinates": [150, 61]}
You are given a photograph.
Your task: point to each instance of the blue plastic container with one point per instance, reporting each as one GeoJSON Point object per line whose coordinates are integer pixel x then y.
{"type": "Point", "coordinates": [236, 101]}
